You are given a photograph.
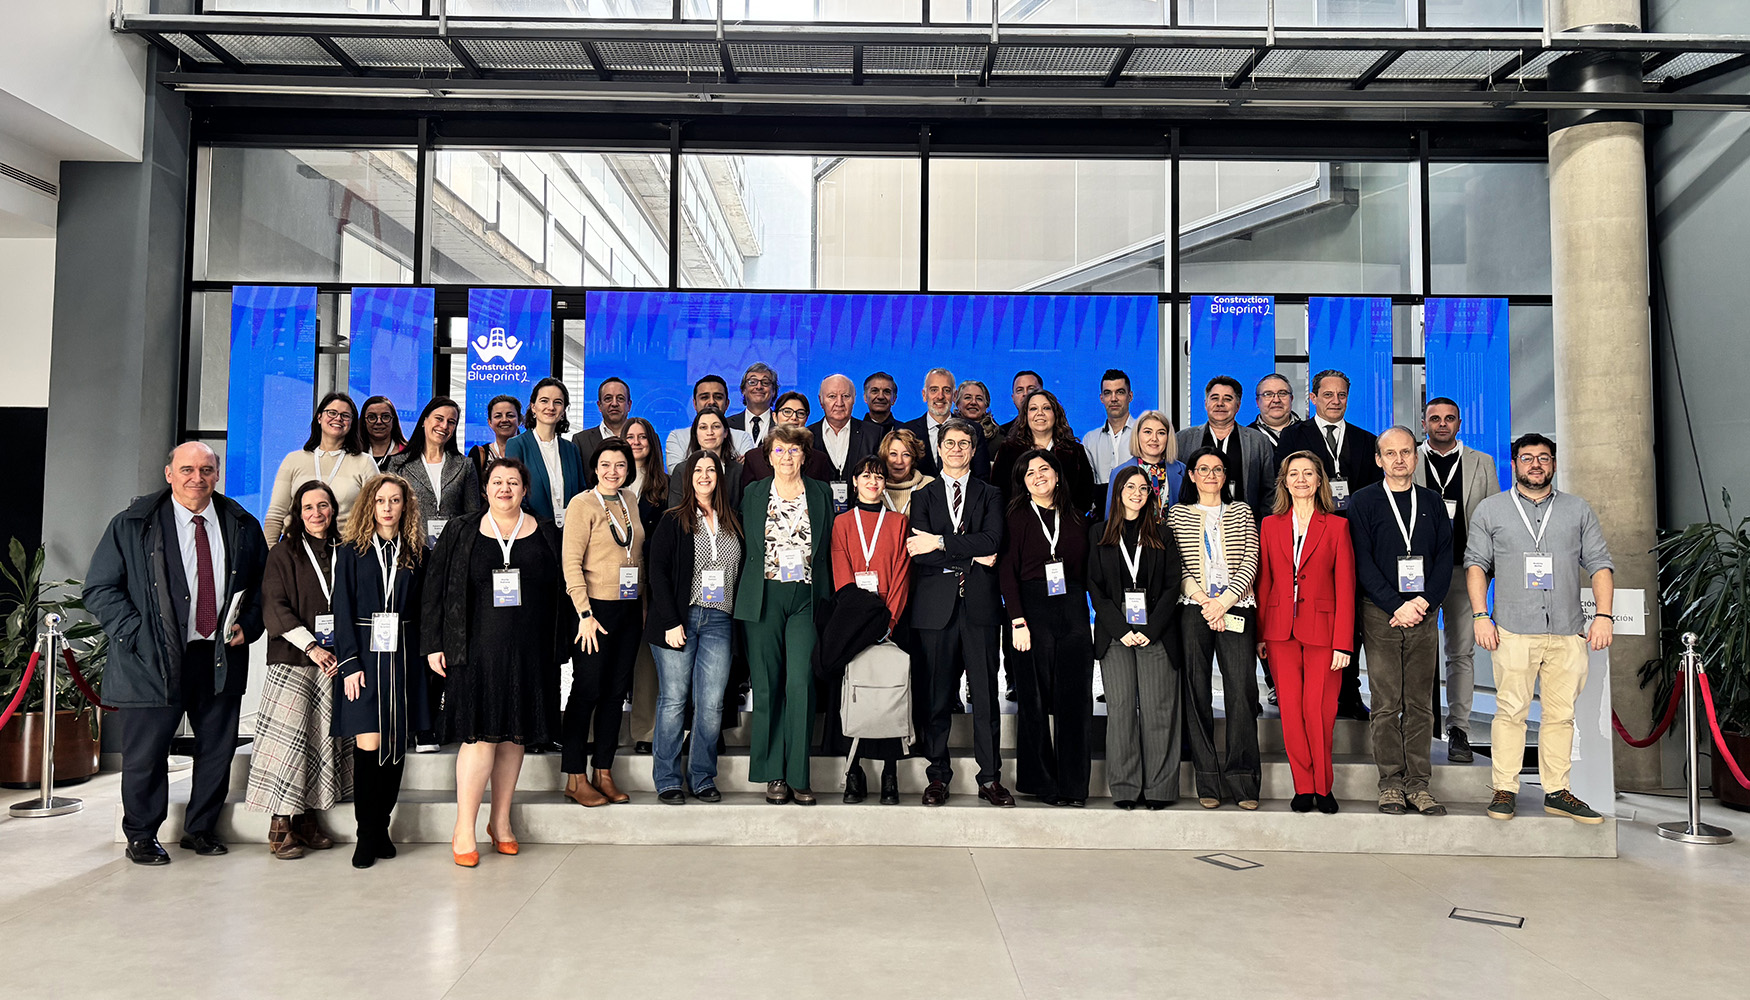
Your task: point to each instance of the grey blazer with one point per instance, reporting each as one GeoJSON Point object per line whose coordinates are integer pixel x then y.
{"type": "Point", "coordinates": [461, 492]}
{"type": "Point", "coordinates": [1257, 464]}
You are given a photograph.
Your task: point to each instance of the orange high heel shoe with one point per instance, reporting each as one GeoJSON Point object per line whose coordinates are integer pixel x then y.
{"type": "Point", "coordinates": [506, 846]}
{"type": "Point", "coordinates": [469, 860]}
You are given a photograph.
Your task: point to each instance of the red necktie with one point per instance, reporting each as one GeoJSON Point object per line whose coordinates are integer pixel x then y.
{"type": "Point", "coordinates": [206, 612]}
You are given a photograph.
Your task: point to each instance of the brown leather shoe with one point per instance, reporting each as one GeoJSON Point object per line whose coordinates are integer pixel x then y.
{"type": "Point", "coordinates": [936, 794]}
{"type": "Point", "coordinates": [802, 797]}
{"type": "Point", "coordinates": [579, 790]}
{"type": "Point", "coordinates": [281, 842]}
{"type": "Point", "coordinates": [305, 828]}
{"type": "Point", "coordinates": [604, 780]}
{"type": "Point", "coordinates": [996, 795]}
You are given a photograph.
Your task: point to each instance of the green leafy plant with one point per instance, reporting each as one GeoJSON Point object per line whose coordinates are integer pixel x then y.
{"type": "Point", "coordinates": [24, 601]}
{"type": "Point", "coordinates": [1704, 588]}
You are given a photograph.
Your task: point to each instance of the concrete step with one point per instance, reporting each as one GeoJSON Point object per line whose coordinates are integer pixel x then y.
{"type": "Point", "coordinates": [744, 819]}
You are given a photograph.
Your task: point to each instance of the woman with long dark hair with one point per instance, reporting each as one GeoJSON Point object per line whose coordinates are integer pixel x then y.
{"type": "Point", "coordinates": [331, 455]}
{"type": "Point", "coordinates": [1044, 426]}
{"type": "Point", "coordinates": [443, 480]}
{"type": "Point", "coordinates": [1042, 569]}
{"type": "Point", "coordinates": [381, 424]}
{"type": "Point", "coordinates": [556, 473]}
{"type": "Point", "coordinates": [1133, 571]}
{"type": "Point", "coordinates": [650, 486]}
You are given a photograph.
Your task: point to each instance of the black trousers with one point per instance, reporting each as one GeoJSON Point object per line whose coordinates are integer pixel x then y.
{"type": "Point", "coordinates": [146, 736]}
{"type": "Point", "coordinates": [1054, 683]}
{"type": "Point", "coordinates": [1237, 774]}
{"type": "Point", "coordinates": [960, 646]}
{"type": "Point", "coordinates": [599, 682]}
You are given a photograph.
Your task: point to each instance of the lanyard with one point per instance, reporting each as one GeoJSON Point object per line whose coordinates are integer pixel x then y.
{"type": "Point", "coordinates": [1536, 536]}
{"type": "Point", "coordinates": [1131, 563]}
{"type": "Point", "coordinates": [1434, 474]}
{"type": "Point", "coordinates": [1299, 542]}
{"type": "Point", "coordinates": [614, 522]}
{"type": "Point", "coordinates": [863, 539]}
{"type": "Point", "coordinates": [1210, 548]}
{"type": "Point", "coordinates": [327, 582]}
{"type": "Point", "coordinates": [503, 544]}
{"type": "Point", "coordinates": [388, 572]}
{"type": "Point", "coordinates": [709, 523]}
{"type": "Point", "coordinates": [339, 457]}
{"type": "Point", "coordinates": [1050, 533]}
{"type": "Point", "coordinates": [1393, 504]}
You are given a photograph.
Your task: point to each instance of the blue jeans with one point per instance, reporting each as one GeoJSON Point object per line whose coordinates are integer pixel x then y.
{"type": "Point", "coordinates": [701, 668]}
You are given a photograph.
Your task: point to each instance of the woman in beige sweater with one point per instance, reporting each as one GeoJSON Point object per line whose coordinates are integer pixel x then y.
{"type": "Point", "coordinates": [604, 567]}
{"type": "Point", "coordinates": [333, 455]}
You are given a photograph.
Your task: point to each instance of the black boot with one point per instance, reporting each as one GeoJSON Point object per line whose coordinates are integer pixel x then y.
{"type": "Point", "coordinates": [856, 786]}
{"type": "Point", "coordinates": [388, 794]}
{"type": "Point", "coordinates": [889, 784]}
{"type": "Point", "coordinates": [364, 806]}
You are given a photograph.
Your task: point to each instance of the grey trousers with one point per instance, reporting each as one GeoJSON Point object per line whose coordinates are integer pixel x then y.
{"type": "Point", "coordinates": [1142, 722]}
{"type": "Point", "coordinates": [1400, 672]}
{"type": "Point", "coordinates": [1460, 637]}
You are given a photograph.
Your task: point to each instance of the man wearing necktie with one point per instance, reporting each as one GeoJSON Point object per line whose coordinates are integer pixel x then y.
{"type": "Point", "coordinates": [759, 386]}
{"type": "Point", "coordinates": [176, 584]}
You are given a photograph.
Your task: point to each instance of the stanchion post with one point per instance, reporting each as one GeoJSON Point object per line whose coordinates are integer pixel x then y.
{"type": "Point", "coordinates": [47, 803]}
{"type": "Point", "coordinates": [1694, 831]}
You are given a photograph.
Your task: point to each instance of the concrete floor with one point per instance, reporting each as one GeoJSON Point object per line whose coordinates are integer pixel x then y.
{"type": "Point", "coordinates": [79, 921]}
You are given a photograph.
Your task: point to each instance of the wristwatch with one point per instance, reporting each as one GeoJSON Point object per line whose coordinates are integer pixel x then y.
{"type": "Point", "coordinates": [585, 613]}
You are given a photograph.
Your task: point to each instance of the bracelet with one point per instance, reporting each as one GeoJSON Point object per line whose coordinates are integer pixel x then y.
{"type": "Point", "coordinates": [1479, 616]}
{"type": "Point", "coordinates": [1603, 615]}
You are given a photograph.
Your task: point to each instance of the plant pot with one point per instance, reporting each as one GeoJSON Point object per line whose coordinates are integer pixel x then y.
{"type": "Point", "coordinates": [1726, 788]}
{"type": "Point", "coordinates": [21, 743]}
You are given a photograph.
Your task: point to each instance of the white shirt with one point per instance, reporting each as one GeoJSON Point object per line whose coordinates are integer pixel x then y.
{"type": "Point", "coordinates": [435, 473]}
{"type": "Point", "coordinates": [837, 443]}
{"type": "Point", "coordinates": [191, 563]}
{"type": "Point", "coordinates": [1321, 423]}
{"type": "Point", "coordinates": [932, 433]}
{"type": "Point", "coordinates": [965, 491]}
{"type": "Point", "coordinates": [765, 419]}
{"type": "Point", "coordinates": [1106, 450]}
{"type": "Point", "coordinates": [674, 447]}
{"type": "Point", "coordinates": [555, 476]}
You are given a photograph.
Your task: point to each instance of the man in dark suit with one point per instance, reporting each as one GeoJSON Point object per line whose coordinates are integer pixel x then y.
{"type": "Point", "coordinates": [176, 583]}
{"type": "Point", "coordinates": [957, 526]}
{"type": "Point", "coordinates": [842, 438]}
{"type": "Point", "coordinates": [880, 392]}
{"type": "Point", "coordinates": [759, 386]}
{"type": "Point", "coordinates": [613, 400]}
{"type": "Point", "coordinates": [938, 406]}
{"type": "Point", "coordinates": [1347, 453]}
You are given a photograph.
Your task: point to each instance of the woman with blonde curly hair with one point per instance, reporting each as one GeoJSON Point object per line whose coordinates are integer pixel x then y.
{"type": "Point", "coordinates": [380, 700]}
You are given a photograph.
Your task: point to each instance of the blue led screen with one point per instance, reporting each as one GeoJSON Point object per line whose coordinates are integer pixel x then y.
{"type": "Point", "coordinates": [390, 348]}
{"type": "Point", "coordinates": [272, 387]}
{"type": "Point", "coordinates": [510, 348]}
{"type": "Point", "coordinates": [1231, 335]}
{"type": "Point", "coordinates": [1353, 336]}
{"type": "Point", "coordinates": [1469, 357]}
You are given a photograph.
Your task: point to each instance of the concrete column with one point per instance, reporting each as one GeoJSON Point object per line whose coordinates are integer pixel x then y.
{"type": "Point", "coordinates": [1603, 340]}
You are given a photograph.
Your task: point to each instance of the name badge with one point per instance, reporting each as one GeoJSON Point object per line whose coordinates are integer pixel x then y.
{"type": "Point", "coordinates": [1055, 583]}
{"type": "Point", "coordinates": [325, 631]}
{"type": "Point", "coordinates": [1135, 607]}
{"type": "Point", "coordinates": [869, 582]}
{"type": "Point", "coordinates": [434, 528]}
{"type": "Point", "coordinates": [791, 568]}
{"type": "Point", "coordinates": [1540, 571]}
{"type": "Point", "coordinates": [1452, 510]}
{"type": "Point", "coordinates": [841, 496]}
{"type": "Point", "coordinates": [1410, 575]}
{"type": "Point", "coordinates": [1215, 589]}
{"type": "Point", "coordinates": [507, 588]}
{"type": "Point", "coordinates": [385, 632]}
{"type": "Point", "coordinates": [1340, 492]}
{"type": "Point", "coordinates": [1234, 623]}
{"type": "Point", "coordinates": [711, 585]}
{"type": "Point", "coordinates": [628, 583]}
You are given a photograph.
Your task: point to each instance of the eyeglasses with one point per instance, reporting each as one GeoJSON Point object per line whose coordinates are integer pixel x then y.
{"type": "Point", "coordinates": [956, 443]}
{"type": "Point", "coordinates": [337, 414]}
{"type": "Point", "coordinates": [790, 452]}
{"type": "Point", "coordinates": [1276, 394]}
{"type": "Point", "coordinates": [1545, 460]}
{"type": "Point", "coordinates": [1209, 471]}
{"type": "Point", "coordinates": [793, 412]}
{"type": "Point", "coordinates": [760, 380]}
{"type": "Point", "coordinates": [378, 418]}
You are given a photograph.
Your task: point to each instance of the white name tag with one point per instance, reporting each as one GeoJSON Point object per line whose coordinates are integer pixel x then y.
{"type": "Point", "coordinates": [1410, 575]}
{"type": "Point", "coordinates": [869, 582]}
{"type": "Point", "coordinates": [1055, 583]}
{"type": "Point", "coordinates": [325, 631]}
{"type": "Point", "coordinates": [385, 632]}
{"type": "Point", "coordinates": [1452, 509]}
{"type": "Point", "coordinates": [841, 496]}
{"type": "Point", "coordinates": [507, 588]}
{"type": "Point", "coordinates": [434, 528]}
{"type": "Point", "coordinates": [1540, 571]}
{"type": "Point", "coordinates": [1135, 607]}
{"type": "Point", "coordinates": [790, 565]}
{"type": "Point", "coordinates": [1340, 492]}
{"type": "Point", "coordinates": [628, 583]}
{"type": "Point", "coordinates": [711, 585]}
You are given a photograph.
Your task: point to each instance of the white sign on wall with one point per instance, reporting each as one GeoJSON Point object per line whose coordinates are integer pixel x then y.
{"type": "Point", "coordinates": [1628, 610]}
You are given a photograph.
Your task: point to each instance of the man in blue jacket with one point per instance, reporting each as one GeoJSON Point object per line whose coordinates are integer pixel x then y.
{"type": "Point", "coordinates": [176, 583]}
{"type": "Point", "coordinates": [1403, 563]}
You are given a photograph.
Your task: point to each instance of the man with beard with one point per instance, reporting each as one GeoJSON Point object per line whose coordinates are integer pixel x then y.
{"type": "Point", "coordinates": [1275, 399]}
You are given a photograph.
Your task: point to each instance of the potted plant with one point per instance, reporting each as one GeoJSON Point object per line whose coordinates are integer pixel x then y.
{"type": "Point", "coordinates": [1704, 588]}
{"type": "Point", "coordinates": [24, 600]}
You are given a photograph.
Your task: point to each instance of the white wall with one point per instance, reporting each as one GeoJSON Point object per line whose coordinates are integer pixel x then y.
{"type": "Point", "coordinates": [69, 85]}
{"type": "Point", "coordinates": [27, 287]}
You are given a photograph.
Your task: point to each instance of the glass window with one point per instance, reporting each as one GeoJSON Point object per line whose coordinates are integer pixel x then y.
{"type": "Point", "coordinates": [1489, 228]}
{"type": "Point", "coordinates": [795, 11]}
{"type": "Point", "coordinates": [304, 214]}
{"type": "Point", "coordinates": [1531, 337]}
{"type": "Point", "coordinates": [1127, 12]}
{"type": "Point", "coordinates": [376, 8]}
{"type": "Point", "coordinates": [1047, 225]}
{"type": "Point", "coordinates": [1315, 228]}
{"type": "Point", "coordinates": [639, 10]}
{"type": "Point", "coordinates": [209, 360]}
{"type": "Point", "coordinates": [1301, 13]}
{"type": "Point", "coordinates": [1485, 13]}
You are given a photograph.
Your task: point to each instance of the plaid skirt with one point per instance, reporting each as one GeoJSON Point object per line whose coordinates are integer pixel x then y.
{"type": "Point", "coordinates": [296, 765]}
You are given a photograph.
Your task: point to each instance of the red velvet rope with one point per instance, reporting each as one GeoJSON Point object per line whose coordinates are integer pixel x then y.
{"type": "Point", "coordinates": [23, 686]}
{"type": "Point", "coordinates": [1659, 730]}
{"type": "Point", "coordinates": [85, 685]}
{"type": "Point", "coordinates": [1707, 695]}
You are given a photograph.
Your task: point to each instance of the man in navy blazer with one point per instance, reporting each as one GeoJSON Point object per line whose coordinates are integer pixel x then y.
{"type": "Point", "coordinates": [938, 408]}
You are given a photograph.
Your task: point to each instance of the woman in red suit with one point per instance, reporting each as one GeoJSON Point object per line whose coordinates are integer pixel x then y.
{"type": "Point", "coordinates": [1306, 599]}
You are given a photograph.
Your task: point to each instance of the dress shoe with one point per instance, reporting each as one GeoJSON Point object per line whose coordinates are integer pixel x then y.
{"type": "Point", "coordinates": [579, 790]}
{"type": "Point", "coordinates": [1077, 803]}
{"type": "Point", "coordinates": [204, 844]}
{"type": "Point", "coordinates": [803, 797]}
{"type": "Point", "coordinates": [508, 846]}
{"type": "Point", "coordinates": [1326, 804]}
{"type": "Point", "coordinates": [672, 797]}
{"type": "Point", "coordinates": [282, 843]}
{"type": "Point", "coordinates": [1303, 802]}
{"type": "Point", "coordinates": [147, 852]}
{"type": "Point", "coordinates": [777, 792]}
{"type": "Point", "coordinates": [469, 860]}
{"type": "Point", "coordinates": [856, 786]}
{"type": "Point", "coordinates": [1049, 800]}
{"type": "Point", "coordinates": [1125, 804]}
{"type": "Point", "coordinates": [936, 794]}
{"type": "Point", "coordinates": [708, 794]}
{"type": "Point", "coordinates": [889, 788]}
{"type": "Point", "coordinates": [996, 795]}
{"type": "Point", "coordinates": [1209, 802]}
{"type": "Point", "coordinates": [1155, 805]}
{"type": "Point", "coordinates": [604, 782]}
{"type": "Point", "coordinates": [1249, 805]}
{"type": "Point", "coordinates": [305, 828]}
{"type": "Point", "coordinates": [1458, 749]}
{"type": "Point", "coordinates": [642, 747]}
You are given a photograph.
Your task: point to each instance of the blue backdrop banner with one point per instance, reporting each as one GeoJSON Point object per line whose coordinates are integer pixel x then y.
{"type": "Point", "coordinates": [661, 342]}
{"type": "Point", "coordinates": [1231, 335]}
{"type": "Point", "coordinates": [510, 348]}
{"type": "Point", "coordinates": [391, 346]}
{"type": "Point", "coordinates": [1353, 336]}
{"type": "Point", "coordinates": [1469, 356]}
{"type": "Point", "coordinates": [272, 387]}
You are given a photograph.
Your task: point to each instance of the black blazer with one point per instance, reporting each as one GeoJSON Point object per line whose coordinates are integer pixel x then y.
{"type": "Point", "coordinates": [1159, 574]}
{"type": "Point", "coordinates": [934, 589]}
{"type": "Point", "coordinates": [670, 565]}
{"type": "Point", "coordinates": [1355, 464]}
{"type": "Point", "coordinates": [980, 458]}
{"type": "Point", "coordinates": [865, 438]}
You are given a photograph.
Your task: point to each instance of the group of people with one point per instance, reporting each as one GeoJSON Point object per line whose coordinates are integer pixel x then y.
{"type": "Point", "coordinates": [414, 595]}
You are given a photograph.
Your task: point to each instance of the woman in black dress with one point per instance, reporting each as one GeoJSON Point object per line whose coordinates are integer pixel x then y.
{"type": "Point", "coordinates": [491, 629]}
{"type": "Point", "coordinates": [376, 605]}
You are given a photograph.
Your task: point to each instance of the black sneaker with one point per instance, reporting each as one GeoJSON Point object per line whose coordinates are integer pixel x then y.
{"type": "Point", "coordinates": [708, 794]}
{"type": "Point", "coordinates": [1502, 806]}
{"type": "Point", "coordinates": [1458, 747]}
{"type": "Point", "coordinates": [1563, 803]}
